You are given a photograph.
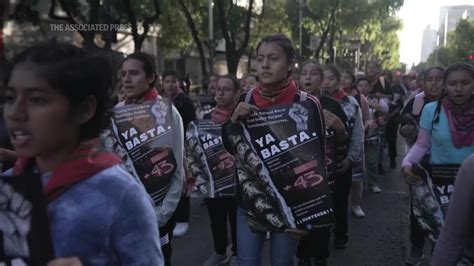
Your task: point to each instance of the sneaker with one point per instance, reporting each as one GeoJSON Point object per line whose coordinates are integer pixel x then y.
{"type": "Point", "coordinates": [358, 212]}
{"type": "Point", "coordinates": [180, 229]}
{"type": "Point", "coordinates": [415, 257]}
{"type": "Point", "coordinates": [375, 189]}
{"type": "Point", "coordinates": [340, 243]}
{"type": "Point", "coordinates": [215, 259]}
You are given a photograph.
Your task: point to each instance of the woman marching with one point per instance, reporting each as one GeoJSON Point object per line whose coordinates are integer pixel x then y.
{"type": "Point", "coordinates": [332, 78]}
{"type": "Point", "coordinates": [275, 59]}
{"type": "Point", "coordinates": [55, 108]}
{"type": "Point", "coordinates": [315, 246]}
{"type": "Point", "coordinates": [410, 120]}
{"type": "Point", "coordinates": [446, 129]}
{"type": "Point", "coordinates": [185, 107]}
{"type": "Point", "coordinates": [138, 78]}
{"type": "Point", "coordinates": [378, 110]}
{"type": "Point", "coordinates": [223, 209]}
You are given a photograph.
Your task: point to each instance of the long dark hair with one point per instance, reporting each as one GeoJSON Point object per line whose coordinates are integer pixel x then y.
{"type": "Point", "coordinates": [149, 65]}
{"type": "Point", "coordinates": [425, 73]}
{"type": "Point", "coordinates": [285, 43]}
{"type": "Point", "coordinates": [77, 74]}
{"type": "Point", "coordinates": [233, 78]}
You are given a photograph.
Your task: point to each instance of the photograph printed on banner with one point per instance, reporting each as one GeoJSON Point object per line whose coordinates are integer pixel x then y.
{"type": "Point", "coordinates": [281, 167]}
{"type": "Point", "coordinates": [431, 198]}
{"type": "Point", "coordinates": [145, 139]}
{"type": "Point", "coordinates": [211, 166]}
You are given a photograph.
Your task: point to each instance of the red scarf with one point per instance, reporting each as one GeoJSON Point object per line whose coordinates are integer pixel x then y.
{"type": "Point", "coordinates": [461, 122]}
{"type": "Point", "coordinates": [149, 95]}
{"type": "Point", "coordinates": [221, 114]}
{"type": "Point", "coordinates": [341, 94]}
{"type": "Point", "coordinates": [284, 95]}
{"type": "Point", "coordinates": [84, 162]}
{"type": "Point", "coordinates": [178, 92]}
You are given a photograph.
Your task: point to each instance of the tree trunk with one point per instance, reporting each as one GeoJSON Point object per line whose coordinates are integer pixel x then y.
{"type": "Point", "coordinates": [197, 41]}
{"type": "Point", "coordinates": [233, 54]}
{"type": "Point", "coordinates": [233, 62]}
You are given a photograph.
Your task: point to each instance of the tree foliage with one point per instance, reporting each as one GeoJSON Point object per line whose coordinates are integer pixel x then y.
{"type": "Point", "coordinates": [460, 45]}
{"type": "Point", "coordinates": [372, 23]}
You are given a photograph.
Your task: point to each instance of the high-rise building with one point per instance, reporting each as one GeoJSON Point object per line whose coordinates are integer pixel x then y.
{"type": "Point", "coordinates": [449, 16]}
{"type": "Point", "coordinates": [428, 43]}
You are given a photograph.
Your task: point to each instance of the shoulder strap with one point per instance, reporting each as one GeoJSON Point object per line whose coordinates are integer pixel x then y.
{"type": "Point", "coordinates": [248, 96]}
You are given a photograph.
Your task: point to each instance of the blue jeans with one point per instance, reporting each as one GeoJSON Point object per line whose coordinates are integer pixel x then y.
{"type": "Point", "coordinates": [250, 245]}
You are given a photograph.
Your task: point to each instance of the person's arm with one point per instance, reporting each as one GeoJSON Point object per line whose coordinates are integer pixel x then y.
{"type": "Point", "coordinates": [334, 122]}
{"type": "Point", "coordinates": [419, 149]}
{"type": "Point", "coordinates": [379, 95]}
{"type": "Point", "coordinates": [364, 106]}
{"type": "Point", "coordinates": [459, 224]}
{"type": "Point", "coordinates": [170, 202]}
{"type": "Point", "coordinates": [357, 138]}
{"type": "Point", "coordinates": [380, 106]}
{"type": "Point", "coordinates": [406, 113]}
{"type": "Point", "coordinates": [134, 234]}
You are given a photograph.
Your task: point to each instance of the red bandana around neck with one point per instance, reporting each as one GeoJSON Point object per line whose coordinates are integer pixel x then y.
{"type": "Point", "coordinates": [461, 122]}
{"type": "Point", "coordinates": [84, 162]}
{"type": "Point", "coordinates": [341, 94]}
{"type": "Point", "coordinates": [221, 114]}
{"type": "Point", "coordinates": [286, 95]}
{"type": "Point", "coordinates": [149, 95]}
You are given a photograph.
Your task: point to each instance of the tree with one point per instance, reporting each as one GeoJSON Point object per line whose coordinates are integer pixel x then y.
{"type": "Point", "coordinates": [382, 42]}
{"type": "Point", "coordinates": [321, 19]}
{"type": "Point", "coordinates": [329, 21]}
{"type": "Point", "coordinates": [195, 34]}
{"type": "Point", "coordinates": [78, 12]}
{"type": "Point", "coordinates": [174, 32]}
{"type": "Point", "coordinates": [460, 45]}
{"type": "Point", "coordinates": [149, 16]}
{"type": "Point", "coordinates": [91, 12]}
{"type": "Point", "coordinates": [231, 23]}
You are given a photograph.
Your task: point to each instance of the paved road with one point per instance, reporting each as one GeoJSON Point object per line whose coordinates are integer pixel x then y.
{"type": "Point", "coordinates": [381, 238]}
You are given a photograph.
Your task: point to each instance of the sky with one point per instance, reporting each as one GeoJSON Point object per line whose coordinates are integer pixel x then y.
{"type": "Point", "coordinates": [416, 15]}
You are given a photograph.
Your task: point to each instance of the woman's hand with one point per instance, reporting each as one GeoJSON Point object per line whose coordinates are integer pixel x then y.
{"type": "Point", "coordinates": [72, 261]}
{"type": "Point", "coordinates": [296, 233]}
{"type": "Point", "coordinates": [242, 110]}
{"type": "Point", "coordinates": [7, 155]}
{"type": "Point", "coordinates": [410, 177]}
{"type": "Point", "coordinates": [334, 122]}
{"type": "Point", "coordinates": [344, 166]}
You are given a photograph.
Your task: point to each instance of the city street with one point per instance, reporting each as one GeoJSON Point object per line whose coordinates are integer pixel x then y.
{"type": "Point", "coordinates": [381, 238]}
